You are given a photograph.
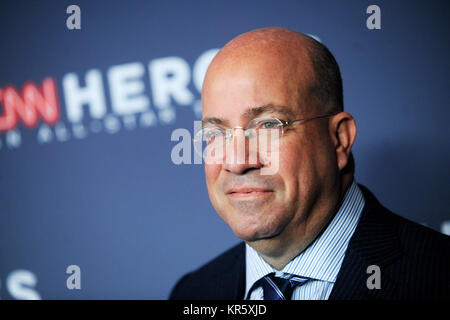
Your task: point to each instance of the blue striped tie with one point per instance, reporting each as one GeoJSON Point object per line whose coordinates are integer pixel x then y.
{"type": "Point", "coordinates": [277, 288]}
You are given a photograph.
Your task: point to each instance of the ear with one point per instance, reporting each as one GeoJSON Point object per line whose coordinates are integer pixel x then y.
{"type": "Point", "coordinates": [343, 134]}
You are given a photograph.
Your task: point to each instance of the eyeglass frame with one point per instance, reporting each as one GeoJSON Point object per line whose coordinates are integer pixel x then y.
{"type": "Point", "coordinates": [283, 124]}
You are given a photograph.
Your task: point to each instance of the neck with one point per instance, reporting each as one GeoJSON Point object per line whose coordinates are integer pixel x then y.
{"type": "Point", "coordinates": [280, 250]}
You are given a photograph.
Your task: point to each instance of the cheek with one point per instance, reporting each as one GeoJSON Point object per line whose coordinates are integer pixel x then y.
{"type": "Point", "coordinates": [313, 167]}
{"type": "Point", "coordinates": [290, 169]}
{"type": "Point", "coordinates": [298, 170]}
{"type": "Point", "coordinates": [212, 172]}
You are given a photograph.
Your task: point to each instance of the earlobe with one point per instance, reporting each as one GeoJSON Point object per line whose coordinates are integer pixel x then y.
{"type": "Point", "coordinates": [345, 130]}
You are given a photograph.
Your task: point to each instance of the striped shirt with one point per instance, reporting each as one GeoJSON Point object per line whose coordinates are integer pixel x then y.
{"type": "Point", "coordinates": [320, 262]}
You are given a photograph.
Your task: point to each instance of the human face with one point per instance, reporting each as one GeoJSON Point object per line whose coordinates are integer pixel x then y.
{"type": "Point", "coordinates": [287, 204]}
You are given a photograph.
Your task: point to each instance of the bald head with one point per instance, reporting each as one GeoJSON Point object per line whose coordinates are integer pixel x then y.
{"type": "Point", "coordinates": [275, 75]}
{"type": "Point", "coordinates": [305, 66]}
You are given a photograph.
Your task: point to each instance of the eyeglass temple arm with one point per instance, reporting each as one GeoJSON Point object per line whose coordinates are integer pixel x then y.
{"type": "Point", "coordinates": [310, 118]}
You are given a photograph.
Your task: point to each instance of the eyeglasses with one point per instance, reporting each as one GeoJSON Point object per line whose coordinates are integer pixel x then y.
{"type": "Point", "coordinates": [273, 127]}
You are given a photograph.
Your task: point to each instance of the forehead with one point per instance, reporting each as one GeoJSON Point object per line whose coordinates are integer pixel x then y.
{"type": "Point", "coordinates": [245, 83]}
{"type": "Point", "coordinates": [253, 112]}
{"type": "Point", "coordinates": [238, 96]}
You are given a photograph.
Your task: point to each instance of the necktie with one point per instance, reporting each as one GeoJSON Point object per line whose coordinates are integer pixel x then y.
{"type": "Point", "coordinates": [280, 288]}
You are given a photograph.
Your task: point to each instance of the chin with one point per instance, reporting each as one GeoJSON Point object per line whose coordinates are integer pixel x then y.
{"type": "Point", "coordinates": [255, 233]}
{"type": "Point", "coordinates": [259, 225]}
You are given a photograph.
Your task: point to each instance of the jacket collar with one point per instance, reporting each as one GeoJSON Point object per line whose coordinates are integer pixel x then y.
{"type": "Point", "coordinates": [375, 242]}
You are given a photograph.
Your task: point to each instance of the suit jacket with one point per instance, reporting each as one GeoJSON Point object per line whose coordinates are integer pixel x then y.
{"type": "Point", "coordinates": [414, 262]}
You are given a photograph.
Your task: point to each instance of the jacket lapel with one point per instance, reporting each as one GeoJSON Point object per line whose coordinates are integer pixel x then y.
{"type": "Point", "coordinates": [375, 242]}
{"type": "Point", "coordinates": [231, 278]}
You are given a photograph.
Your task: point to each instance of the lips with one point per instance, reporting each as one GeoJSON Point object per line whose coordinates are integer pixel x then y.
{"type": "Point", "coordinates": [248, 192]}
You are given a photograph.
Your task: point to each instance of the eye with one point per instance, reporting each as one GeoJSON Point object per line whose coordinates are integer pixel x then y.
{"type": "Point", "coordinates": [211, 134]}
{"type": "Point", "coordinates": [269, 124]}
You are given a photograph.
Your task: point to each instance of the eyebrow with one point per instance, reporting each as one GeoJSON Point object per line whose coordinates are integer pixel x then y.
{"type": "Point", "coordinates": [213, 120]}
{"type": "Point", "coordinates": [268, 108]}
{"type": "Point", "coordinates": [252, 113]}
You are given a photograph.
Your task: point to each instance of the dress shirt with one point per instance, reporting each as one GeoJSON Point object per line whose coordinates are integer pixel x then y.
{"type": "Point", "coordinates": [320, 261]}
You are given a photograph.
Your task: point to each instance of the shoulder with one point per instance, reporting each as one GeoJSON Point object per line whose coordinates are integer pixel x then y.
{"type": "Point", "coordinates": [408, 231]}
{"type": "Point", "coordinates": [216, 279]}
{"type": "Point", "coordinates": [421, 270]}
{"type": "Point", "coordinates": [422, 244]}
{"type": "Point", "coordinates": [414, 238]}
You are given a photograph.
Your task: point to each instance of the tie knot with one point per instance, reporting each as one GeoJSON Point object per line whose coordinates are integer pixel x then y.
{"type": "Point", "coordinates": [281, 288]}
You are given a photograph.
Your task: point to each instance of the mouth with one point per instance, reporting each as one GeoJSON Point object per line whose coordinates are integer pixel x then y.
{"type": "Point", "coordinates": [239, 193]}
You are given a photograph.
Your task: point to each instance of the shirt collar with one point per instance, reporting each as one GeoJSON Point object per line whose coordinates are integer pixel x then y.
{"type": "Point", "coordinates": [323, 258]}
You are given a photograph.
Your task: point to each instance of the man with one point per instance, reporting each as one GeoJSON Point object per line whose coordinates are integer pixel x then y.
{"type": "Point", "coordinates": [309, 230]}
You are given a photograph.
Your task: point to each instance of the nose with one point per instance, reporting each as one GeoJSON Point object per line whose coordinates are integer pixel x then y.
{"type": "Point", "coordinates": [241, 154]}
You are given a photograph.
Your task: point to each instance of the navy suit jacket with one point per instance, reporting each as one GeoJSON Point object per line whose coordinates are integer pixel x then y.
{"type": "Point", "coordinates": [414, 262]}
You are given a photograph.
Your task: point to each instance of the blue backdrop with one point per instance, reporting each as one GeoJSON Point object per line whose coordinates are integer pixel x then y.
{"type": "Point", "coordinates": [98, 189]}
